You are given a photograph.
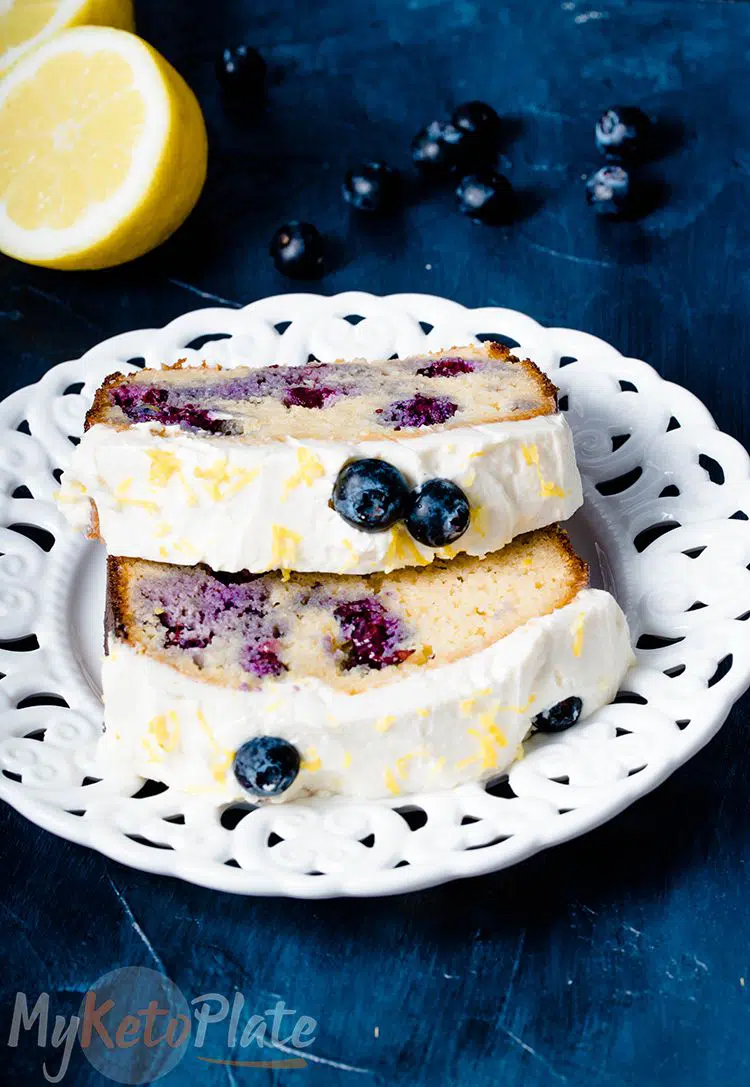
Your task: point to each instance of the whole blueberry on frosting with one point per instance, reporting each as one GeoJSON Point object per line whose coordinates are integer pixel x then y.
{"type": "Point", "coordinates": [370, 494]}
{"type": "Point", "coordinates": [266, 765]}
{"type": "Point", "coordinates": [439, 514]}
{"type": "Point", "coordinates": [560, 716]}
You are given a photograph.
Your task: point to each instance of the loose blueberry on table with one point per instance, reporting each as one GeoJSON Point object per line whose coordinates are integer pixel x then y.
{"type": "Point", "coordinates": [560, 716]}
{"type": "Point", "coordinates": [442, 149]}
{"type": "Point", "coordinates": [266, 765]}
{"type": "Point", "coordinates": [623, 133]}
{"type": "Point", "coordinates": [608, 191]}
{"type": "Point", "coordinates": [241, 72]}
{"type": "Point", "coordinates": [429, 150]}
{"type": "Point", "coordinates": [478, 119]}
{"type": "Point", "coordinates": [486, 197]}
{"type": "Point", "coordinates": [373, 187]}
{"type": "Point", "coordinates": [370, 494]}
{"type": "Point", "coordinates": [298, 251]}
{"type": "Point", "coordinates": [439, 514]}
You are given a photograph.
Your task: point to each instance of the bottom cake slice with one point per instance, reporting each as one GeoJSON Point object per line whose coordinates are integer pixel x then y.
{"type": "Point", "coordinates": [384, 684]}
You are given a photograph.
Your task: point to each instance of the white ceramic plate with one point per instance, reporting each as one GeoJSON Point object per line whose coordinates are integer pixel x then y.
{"type": "Point", "coordinates": [664, 526]}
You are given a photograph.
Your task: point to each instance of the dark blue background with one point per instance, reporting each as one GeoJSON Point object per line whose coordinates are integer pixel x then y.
{"type": "Point", "coordinates": [615, 959]}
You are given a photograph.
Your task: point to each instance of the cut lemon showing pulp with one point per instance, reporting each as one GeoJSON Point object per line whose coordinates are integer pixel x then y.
{"type": "Point", "coordinates": [26, 23]}
{"type": "Point", "coordinates": [102, 150]}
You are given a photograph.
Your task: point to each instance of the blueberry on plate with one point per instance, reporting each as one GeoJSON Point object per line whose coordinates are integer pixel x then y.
{"type": "Point", "coordinates": [266, 765]}
{"type": "Point", "coordinates": [439, 513]}
{"type": "Point", "coordinates": [623, 133]}
{"type": "Point", "coordinates": [608, 191]}
{"type": "Point", "coordinates": [486, 197]}
{"type": "Point", "coordinates": [241, 72]}
{"type": "Point", "coordinates": [373, 187]}
{"type": "Point", "coordinates": [370, 494]}
{"type": "Point", "coordinates": [560, 716]}
{"type": "Point", "coordinates": [477, 119]}
{"type": "Point", "coordinates": [298, 251]}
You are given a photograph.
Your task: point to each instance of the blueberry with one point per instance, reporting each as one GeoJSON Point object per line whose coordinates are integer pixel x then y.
{"type": "Point", "coordinates": [608, 191]}
{"type": "Point", "coordinates": [478, 119]}
{"type": "Point", "coordinates": [370, 494]}
{"type": "Point", "coordinates": [442, 149]}
{"type": "Point", "coordinates": [439, 513]}
{"type": "Point", "coordinates": [266, 765]}
{"type": "Point", "coordinates": [560, 716]}
{"type": "Point", "coordinates": [486, 197]}
{"type": "Point", "coordinates": [623, 133]}
{"type": "Point", "coordinates": [373, 187]}
{"type": "Point", "coordinates": [429, 150]}
{"type": "Point", "coordinates": [241, 72]}
{"type": "Point", "coordinates": [298, 251]}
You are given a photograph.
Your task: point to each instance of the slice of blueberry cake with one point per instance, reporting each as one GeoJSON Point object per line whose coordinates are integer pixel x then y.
{"type": "Point", "coordinates": [348, 467]}
{"type": "Point", "coordinates": [363, 685]}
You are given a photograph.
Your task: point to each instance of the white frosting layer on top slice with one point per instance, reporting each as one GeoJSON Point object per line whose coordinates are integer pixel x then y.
{"type": "Point", "coordinates": [167, 495]}
{"type": "Point", "coordinates": [444, 727]}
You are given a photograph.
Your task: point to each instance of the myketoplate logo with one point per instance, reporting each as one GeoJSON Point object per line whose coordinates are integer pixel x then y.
{"type": "Point", "coordinates": [135, 1025]}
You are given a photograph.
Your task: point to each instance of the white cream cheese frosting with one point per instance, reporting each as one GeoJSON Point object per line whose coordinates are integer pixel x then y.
{"type": "Point", "coordinates": [459, 723]}
{"type": "Point", "coordinates": [166, 495]}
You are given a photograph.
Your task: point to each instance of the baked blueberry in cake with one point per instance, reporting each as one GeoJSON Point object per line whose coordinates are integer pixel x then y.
{"type": "Point", "coordinates": [243, 469]}
{"type": "Point", "coordinates": [272, 685]}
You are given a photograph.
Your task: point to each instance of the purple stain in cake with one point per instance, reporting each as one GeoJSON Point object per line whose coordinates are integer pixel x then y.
{"type": "Point", "coordinates": [449, 367]}
{"type": "Point", "coordinates": [300, 397]}
{"type": "Point", "coordinates": [372, 635]}
{"type": "Point", "coordinates": [197, 608]}
{"type": "Point", "coordinates": [314, 385]}
{"type": "Point", "coordinates": [262, 660]}
{"type": "Point", "coordinates": [147, 404]}
{"type": "Point", "coordinates": [418, 411]}
{"type": "Point", "coordinates": [132, 397]}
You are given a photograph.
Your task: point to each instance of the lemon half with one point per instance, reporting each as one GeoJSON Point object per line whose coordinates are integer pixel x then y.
{"type": "Point", "coordinates": [102, 150]}
{"type": "Point", "coordinates": [26, 23]}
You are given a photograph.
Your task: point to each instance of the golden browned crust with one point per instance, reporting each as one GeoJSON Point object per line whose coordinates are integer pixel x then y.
{"type": "Point", "coordinates": [99, 409]}
{"type": "Point", "coordinates": [577, 568]}
{"type": "Point", "coordinates": [94, 531]}
{"type": "Point", "coordinates": [119, 616]}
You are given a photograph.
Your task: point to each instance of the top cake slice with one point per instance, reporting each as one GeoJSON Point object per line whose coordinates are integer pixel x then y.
{"type": "Point", "coordinates": [334, 400]}
{"type": "Point", "coordinates": [237, 468]}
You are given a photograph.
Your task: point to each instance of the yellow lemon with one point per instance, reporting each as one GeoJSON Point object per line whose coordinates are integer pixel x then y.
{"type": "Point", "coordinates": [26, 23]}
{"type": "Point", "coordinates": [102, 150]}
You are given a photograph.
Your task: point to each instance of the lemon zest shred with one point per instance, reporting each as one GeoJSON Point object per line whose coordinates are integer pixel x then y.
{"type": "Point", "coordinates": [391, 784]}
{"type": "Point", "coordinates": [284, 544]}
{"type": "Point", "coordinates": [309, 468]}
{"type": "Point", "coordinates": [478, 520]}
{"type": "Point", "coordinates": [547, 488]}
{"type": "Point", "coordinates": [384, 724]}
{"type": "Point", "coordinates": [311, 762]}
{"type": "Point", "coordinates": [402, 551]}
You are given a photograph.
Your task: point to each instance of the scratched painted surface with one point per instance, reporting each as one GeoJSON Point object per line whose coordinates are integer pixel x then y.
{"type": "Point", "coordinates": [618, 958]}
